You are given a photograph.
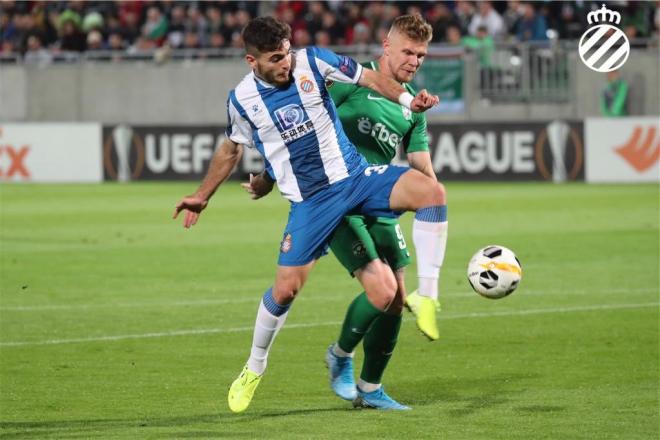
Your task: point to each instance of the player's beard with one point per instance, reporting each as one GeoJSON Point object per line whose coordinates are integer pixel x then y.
{"type": "Point", "coordinates": [281, 80]}
{"type": "Point", "coordinates": [403, 76]}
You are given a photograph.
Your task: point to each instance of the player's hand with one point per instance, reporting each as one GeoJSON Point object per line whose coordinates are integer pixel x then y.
{"type": "Point", "coordinates": [258, 186]}
{"type": "Point", "coordinates": [423, 101]}
{"type": "Point", "coordinates": [193, 205]}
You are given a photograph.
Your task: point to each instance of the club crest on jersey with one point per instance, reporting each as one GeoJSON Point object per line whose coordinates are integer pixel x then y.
{"type": "Point", "coordinates": [285, 246]}
{"type": "Point", "coordinates": [306, 84]}
{"type": "Point", "coordinates": [358, 248]}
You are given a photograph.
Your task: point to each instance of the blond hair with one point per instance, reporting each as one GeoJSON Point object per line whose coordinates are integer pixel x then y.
{"type": "Point", "coordinates": [412, 26]}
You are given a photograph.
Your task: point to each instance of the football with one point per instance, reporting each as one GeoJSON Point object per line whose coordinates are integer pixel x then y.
{"type": "Point", "coordinates": [494, 272]}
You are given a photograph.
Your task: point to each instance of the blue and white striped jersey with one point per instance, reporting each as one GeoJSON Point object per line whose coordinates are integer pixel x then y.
{"type": "Point", "coordinates": [296, 128]}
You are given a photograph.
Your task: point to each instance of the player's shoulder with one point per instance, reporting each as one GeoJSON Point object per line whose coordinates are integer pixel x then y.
{"type": "Point", "coordinates": [370, 65]}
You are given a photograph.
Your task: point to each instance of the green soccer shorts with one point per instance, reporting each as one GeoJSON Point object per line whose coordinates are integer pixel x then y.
{"type": "Point", "coordinates": [359, 240]}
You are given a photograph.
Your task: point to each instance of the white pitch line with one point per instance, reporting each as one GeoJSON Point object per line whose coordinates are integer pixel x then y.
{"type": "Point", "coordinates": [322, 324]}
{"type": "Point", "coordinates": [467, 293]}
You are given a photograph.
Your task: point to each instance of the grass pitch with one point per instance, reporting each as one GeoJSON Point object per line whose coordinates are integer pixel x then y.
{"type": "Point", "coordinates": [115, 322]}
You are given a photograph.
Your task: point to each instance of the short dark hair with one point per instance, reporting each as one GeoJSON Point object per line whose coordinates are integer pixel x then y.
{"type": "Point", "coordinates": [264, 34]}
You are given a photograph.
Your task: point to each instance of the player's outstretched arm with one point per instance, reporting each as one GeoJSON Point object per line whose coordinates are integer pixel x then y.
{"type": "Point", "coordinates": [223, 162]}
{"type": "Point", "coordinates": [395, 92]}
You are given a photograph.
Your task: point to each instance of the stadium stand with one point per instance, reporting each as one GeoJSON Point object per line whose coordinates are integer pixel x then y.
{"type": "Point", "coordinates": [44, 32]}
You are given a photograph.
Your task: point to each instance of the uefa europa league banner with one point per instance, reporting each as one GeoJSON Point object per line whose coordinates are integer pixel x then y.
{"type": "Point", "coordinates": [543, 151]}
{"type": "Point", "coordinates": [549, 151]}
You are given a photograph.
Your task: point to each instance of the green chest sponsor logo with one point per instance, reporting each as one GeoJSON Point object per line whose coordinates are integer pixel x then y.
{"type": "Point", "coordinates": [378, 131]}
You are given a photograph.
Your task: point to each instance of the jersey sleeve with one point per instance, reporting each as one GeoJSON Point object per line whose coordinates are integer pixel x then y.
{"type": "Point", "coordinates": [238, 128]}
{"type": "Point", "coordinates": [417, 138]}
{"type": "Point", "coordinates": [335, 67]}
{"type": "Point", "coordinates": [339, 92]}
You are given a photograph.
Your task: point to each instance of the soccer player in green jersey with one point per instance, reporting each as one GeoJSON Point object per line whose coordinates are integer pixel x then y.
{"type": "Point", "coordinates": [377, 127]}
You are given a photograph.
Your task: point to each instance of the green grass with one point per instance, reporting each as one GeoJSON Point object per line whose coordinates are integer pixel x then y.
{"type": "Point", "coordinates": [96, 281]}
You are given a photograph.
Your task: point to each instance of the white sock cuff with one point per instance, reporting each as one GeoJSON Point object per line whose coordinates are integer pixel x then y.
{"type": "Point", "coordinates": [341, 353]}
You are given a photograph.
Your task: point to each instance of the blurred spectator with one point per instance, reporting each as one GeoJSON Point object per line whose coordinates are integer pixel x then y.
{"type": "Point", "coordinates": [130, 25]}
{"type": "Point", "coordinates": [191, 40]}
{"type": "Point", "coordinates": [614, 96]}
{"type": "Point", "coordinates": [440, 18]}
{"type": "Point", "coordinates": [361, 35]}
{"type": "Point", "coordinates": [333, 28]}
{"type": "Point", "coordinates": [374, 12]}
{"type": "Point", "coordinates": [92, 21]}
{"type": "Point", "coordinates": [531, 26]}
{"type": "Point", "coordinates": [569, 26]}
{"type": "Point", "coordinates": [453, 35]}
{"type": "Point", "coordinates": [214, 16]}
{"type": "Point", "coordinates": [464, 12]}
{"type": "Point", "coordinates": [482, 44]}
{"type": "Point", "coordinates": [512, 15]}
{"type": "Point", "coordinates": [301, 38]}
{"type": "Point", "coordinates": [216, 41]}
{"type": "Point", "coordinates": [95, 41]}
{"type": "Point", "coordinates": [322, 38]}
{"type": "Point", "coordinates": [197, 23]}
{"type": "Point", "coordinates": [71, 38]}
{"type": "Point", "coordinates": [155, 28]}
{"type": "Point", "coordinates": [177, 26]}
{"type": "Point", "coordinates": [314, 17]}
{"type": "Point", "coordinates": [36, 54]}
{"type": "Point", "coordinates": [116, 42]}
{"type": "Point", "coordinates": [637, 16]}
{"type": "Point", "coordinates": [487, 18]}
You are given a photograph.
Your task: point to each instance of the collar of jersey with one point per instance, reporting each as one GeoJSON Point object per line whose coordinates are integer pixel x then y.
{"type": "Point", "coordinates": [261, 81]}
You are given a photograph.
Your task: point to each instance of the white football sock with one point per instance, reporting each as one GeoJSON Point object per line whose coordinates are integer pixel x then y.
{"type": "Point", "coordinates": [367, 387]}
{"type": "Point", "coordinates": [430, 240]}
{"type": "Point", "coordinates": [266, 328]}
{"type": "Point", "coordinates": [339, 352]}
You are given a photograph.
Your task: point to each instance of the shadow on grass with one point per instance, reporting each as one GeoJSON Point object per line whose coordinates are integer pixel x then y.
{"type": "Point", "coordinates": [469, 396]}
{"type": "Point", "coordinates": [133, 427]}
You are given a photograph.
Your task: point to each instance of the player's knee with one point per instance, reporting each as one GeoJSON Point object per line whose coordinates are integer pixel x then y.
{"type": "Point", "coordinates": [438, 194]}
{"type": "Point", "coordinates": [389, 286]}
{"type": "Point", "coordinates": [396, 308]}
{"type": "Point", "coordinates": [285, 292]}
{"type": "Point", "coordinates": [379, 284]}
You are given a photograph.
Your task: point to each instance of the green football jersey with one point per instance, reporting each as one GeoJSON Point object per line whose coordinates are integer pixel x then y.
{"type": "Point", "coordinates": [376, 125]}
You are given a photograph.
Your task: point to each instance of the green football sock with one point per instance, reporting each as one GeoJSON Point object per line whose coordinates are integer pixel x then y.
{"type": "Point", "coordinates": [361, 313]}
{"type": "Point", "coordinates": [379, 343]}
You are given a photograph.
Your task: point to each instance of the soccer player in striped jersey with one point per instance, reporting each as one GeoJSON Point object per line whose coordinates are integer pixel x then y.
{"type": "Point", "coordinates": [377, 126]}
{"type": "Point", "coordinates": [283, 109]}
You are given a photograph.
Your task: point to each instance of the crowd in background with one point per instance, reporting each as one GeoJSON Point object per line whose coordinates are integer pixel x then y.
{"type": "Point", "coordinates": [36, 30]}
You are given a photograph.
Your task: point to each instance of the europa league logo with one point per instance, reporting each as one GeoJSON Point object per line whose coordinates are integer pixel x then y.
{"type": "Point", "coordinates": [566, 152]}
{"type": "Point", "coordinates": [127, 149]}
{"type": "Point", "coordinates": [604, 47]}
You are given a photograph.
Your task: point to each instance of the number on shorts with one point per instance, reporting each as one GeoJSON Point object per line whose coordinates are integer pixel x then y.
{"type": "Point", "coordinates": [399, 235]}
{"type": "Point", "coordinates": [378, 169]}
